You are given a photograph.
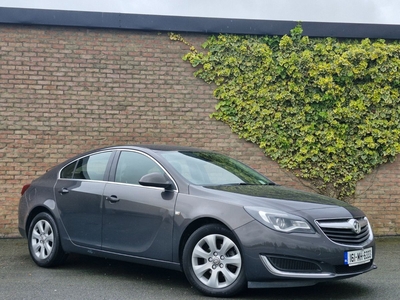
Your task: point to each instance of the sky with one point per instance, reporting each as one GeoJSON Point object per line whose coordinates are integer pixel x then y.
{"type": "Point", "coordinates": [342, 11]}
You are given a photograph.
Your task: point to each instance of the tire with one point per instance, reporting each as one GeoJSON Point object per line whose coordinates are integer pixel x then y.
{"type": "Point", "coordinates": [44, 241]}
{"type": "Point", "coordinates": [212, 262]}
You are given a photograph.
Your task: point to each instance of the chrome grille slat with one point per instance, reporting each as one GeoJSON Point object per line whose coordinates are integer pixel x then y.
{"type": "Point", "coordinates": [341, 231]}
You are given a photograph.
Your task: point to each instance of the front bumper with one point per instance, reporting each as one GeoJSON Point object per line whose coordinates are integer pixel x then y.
{"type": "Point", "coordinates": [275, 259]}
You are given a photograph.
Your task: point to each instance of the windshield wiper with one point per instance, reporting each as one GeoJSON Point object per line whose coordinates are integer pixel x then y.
{"type": "Point", "coordinates": [247, 183]}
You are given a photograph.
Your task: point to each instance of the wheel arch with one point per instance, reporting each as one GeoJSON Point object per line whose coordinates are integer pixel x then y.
{"type": "Point", "coordinates": [33, 213]}
{"type": "Point", "coordinates": [231, 284]}
{"type": "Point", "coordinates": [50, 252]}
{"type": "Point", "coordinates": [196, 224]}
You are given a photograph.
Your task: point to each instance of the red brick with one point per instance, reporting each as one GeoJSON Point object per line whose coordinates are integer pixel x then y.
{"type": "Point", "coordinates": [67, 90]}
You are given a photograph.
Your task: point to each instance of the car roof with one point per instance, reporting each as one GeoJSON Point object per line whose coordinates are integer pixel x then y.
{"type": "Point", "coordinates": [156, 147]}
{"type": "Point", "coordinates": [145, 148]}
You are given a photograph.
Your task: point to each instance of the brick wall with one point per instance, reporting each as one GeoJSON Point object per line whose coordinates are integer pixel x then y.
{"type": "Point", "coordinates": [67, 90]}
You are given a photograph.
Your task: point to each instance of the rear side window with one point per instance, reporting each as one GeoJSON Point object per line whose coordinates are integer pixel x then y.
{"type": "Point", "coordinates": [91, 167]}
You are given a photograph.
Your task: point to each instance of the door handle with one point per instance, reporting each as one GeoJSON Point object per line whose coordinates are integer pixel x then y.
{"type": "Point", "coordinates": [112, 199]}
{"type": "Point", "coordinates": [63, 191]}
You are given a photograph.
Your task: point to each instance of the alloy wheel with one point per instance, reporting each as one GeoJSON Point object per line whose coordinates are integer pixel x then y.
{"type": "Point", "coordinates": [216, 261]}
{"type": "Point", "coordinates": [42, 239]}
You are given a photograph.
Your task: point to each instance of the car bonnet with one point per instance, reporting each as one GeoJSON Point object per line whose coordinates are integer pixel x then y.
{"type": "Point", "coordinates": [286, 199]}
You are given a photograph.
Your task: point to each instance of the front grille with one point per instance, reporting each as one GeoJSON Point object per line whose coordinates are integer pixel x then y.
{"type": "Point", "coordinates": [343, 231]}
{"type": "Point", "coordinates": [293, 265]}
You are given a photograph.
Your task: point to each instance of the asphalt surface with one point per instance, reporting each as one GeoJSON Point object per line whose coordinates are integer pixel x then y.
{"type": "Point", "coordinates": [83, 277]}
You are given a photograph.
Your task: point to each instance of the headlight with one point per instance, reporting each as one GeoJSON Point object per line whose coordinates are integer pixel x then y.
{"type": "Point", "coordinates": [279, 220]}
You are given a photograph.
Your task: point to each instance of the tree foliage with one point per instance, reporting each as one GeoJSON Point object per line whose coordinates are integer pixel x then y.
{"type": "Point", "coordinates": [326, 109]}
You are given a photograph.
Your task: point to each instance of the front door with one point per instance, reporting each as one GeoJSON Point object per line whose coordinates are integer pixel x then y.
{"type": "Point", "coordinates": [137, 220]}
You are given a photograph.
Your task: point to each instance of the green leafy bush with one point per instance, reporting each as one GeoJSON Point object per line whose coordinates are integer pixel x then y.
{"type": "Point", "coordinates": [324, 108]}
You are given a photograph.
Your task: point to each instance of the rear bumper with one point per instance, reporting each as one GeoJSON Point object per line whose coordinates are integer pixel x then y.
{"type": "Point", "coordinates": [22, 216]}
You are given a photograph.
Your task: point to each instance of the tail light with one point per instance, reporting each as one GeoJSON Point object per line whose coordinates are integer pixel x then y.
{"type": "Point", "coordinates": [24, 188]}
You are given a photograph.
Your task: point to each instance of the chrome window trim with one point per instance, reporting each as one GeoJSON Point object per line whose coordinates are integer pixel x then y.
{"type": "Point", "coordinates": [74, 161]}
{"type": "Point", "coordinates": [154, 160]}
{"type": "Point", "coordinates": [176, 189]}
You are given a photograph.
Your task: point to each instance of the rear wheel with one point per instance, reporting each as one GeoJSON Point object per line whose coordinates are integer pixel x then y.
{"type": "Point", "coordinates": [44, 241]}
{"type": "Point", "coordinates": [213, 263]}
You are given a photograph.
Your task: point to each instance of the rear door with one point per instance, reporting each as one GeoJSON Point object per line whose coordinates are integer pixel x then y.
{"type": "Point", "coordinates": [137, 220]}
{"type": "Point", "coordinates": [79, 193]}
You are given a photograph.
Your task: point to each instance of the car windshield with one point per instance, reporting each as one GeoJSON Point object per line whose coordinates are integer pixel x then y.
{"type": "Point", "coordinates": [209, 169]}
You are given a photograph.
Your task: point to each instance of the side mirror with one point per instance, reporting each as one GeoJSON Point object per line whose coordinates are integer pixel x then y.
{"type": "Point", "coordinates": [156, 180]}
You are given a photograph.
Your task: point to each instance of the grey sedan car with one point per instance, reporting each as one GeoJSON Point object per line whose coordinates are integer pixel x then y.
{"type": "Point", "coordinates": [224, 225]}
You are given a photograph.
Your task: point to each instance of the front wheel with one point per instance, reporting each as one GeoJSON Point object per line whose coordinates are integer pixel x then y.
{"type": "Point", "coordinates": [44, 241]}
{"type": "Point", "coordinates": [212, 262]}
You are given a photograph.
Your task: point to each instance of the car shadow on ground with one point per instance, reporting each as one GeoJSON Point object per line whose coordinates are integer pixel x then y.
{"type": "Point", "coordinates": [164, 279]}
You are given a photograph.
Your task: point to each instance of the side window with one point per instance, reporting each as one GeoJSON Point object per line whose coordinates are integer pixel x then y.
{"type": "Point", "coordinates": [68, 171]}
{"type": "Point", "coordinates": [132, 166]}
{"type": "Point", "coordinates": [90, 167]}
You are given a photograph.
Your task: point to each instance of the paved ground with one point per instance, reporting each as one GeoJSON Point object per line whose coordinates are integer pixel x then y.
{"type": "Point", "coordinates": [94, 278]}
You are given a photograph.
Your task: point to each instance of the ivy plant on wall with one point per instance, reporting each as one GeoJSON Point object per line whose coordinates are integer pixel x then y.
{"type": "Point", "coordinates": [326, 109]}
